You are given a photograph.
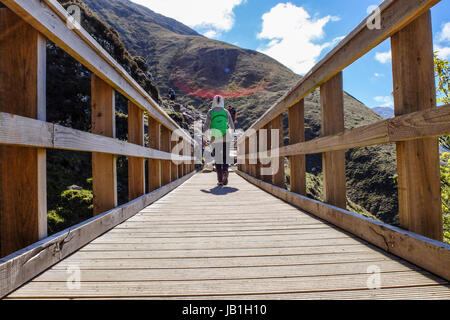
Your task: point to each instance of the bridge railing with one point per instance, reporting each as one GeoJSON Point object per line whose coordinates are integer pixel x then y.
{"type": "Point", "coordinates": [414, 129]}
{"type": "Point", "coordinates": [25, 26]}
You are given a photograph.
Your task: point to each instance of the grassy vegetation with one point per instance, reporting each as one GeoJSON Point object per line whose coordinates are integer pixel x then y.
{"type": "Point", "coordinates": [442, 69]}
{"type": "Point", "coordinates": [314, 190]}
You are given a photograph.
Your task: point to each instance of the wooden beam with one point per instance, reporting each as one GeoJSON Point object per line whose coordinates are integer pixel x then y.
{"type": "Point", "coordinates": [417, 161]}
{"type": "Point", "coordinates": [268, 178]}
{"type": "Point", "coordinates": [421, 124]}
{"type": "Point", "coordinates": [136, 166]}
{"type": "Point", "coordinates": [23, 186]}
{"type": "Point", "coordinates": [104, 171]}
{"type": "Point", "coordinates": [181, 165]}
{"type": "Point", "coordinates": [24, 265]}
{"type": "Point", "coordinates": [258, 162]}
{"type": "Point", "coordinates": [297, 135]}
{"type": "Point", "coordinates": [165, 164]}
{"type": "Point", "coordinates": [278, 178]}
{"type": "Point", "coordinates": [154, 165]}
{"type": "Point", "coordinates": [395, 15]}
{"type": "Point", "coordinates": [49, 18]}
{"type": "Point", "coordinates": [173, 167]}
{"type": "Point", "coordinates": [27, 132]}
{"type": "Point", "coordinates": [333, 163]}
{"type": "Point", "coordinates": [426, 253]}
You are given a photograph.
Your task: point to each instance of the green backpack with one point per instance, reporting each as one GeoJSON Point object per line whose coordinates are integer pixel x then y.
{"type": "Point", "coordinates": [219, 123]}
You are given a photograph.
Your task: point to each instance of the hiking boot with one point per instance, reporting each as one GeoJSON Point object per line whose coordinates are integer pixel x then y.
{"type": "Point", "coordinates": [225, 178]}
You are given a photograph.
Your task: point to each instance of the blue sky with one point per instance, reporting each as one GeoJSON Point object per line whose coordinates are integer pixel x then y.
{"type": "Point", "coordinates": [298, 33]}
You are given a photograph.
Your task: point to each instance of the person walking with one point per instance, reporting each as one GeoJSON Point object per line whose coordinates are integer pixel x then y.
{"type": "Point", "coordinates": [221, 125]}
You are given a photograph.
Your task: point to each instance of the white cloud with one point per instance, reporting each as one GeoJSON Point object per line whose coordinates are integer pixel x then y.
{"type": "Point", "coordinates": [378, 75]}
{"type": "Point", "coordinates": [444, 35]}
{"type": "Point", "coordinates": [443, 52]}
{"type": "Point", "coordinates": [292, 32]}
{"type": "Point", "coordinates": [383, 57]}
{"type": "Point", "coordinates": [211, 34]}
{"type": "Point", "coordinates": [442, 41]}
{"type": "Point", "coordinates": [386, 101]}
{"type": "Point", "coordinates": [209, 15]}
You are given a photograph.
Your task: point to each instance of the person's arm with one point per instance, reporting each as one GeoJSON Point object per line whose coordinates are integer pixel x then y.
{"type": "Point", "coordinates": [230, 120]}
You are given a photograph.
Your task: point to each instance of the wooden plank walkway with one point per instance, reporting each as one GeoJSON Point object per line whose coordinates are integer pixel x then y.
{"type": "Point", "coordinates": [235, 242]}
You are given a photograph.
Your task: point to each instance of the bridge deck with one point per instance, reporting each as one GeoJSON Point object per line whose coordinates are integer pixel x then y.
{"type": "Point", "coordinates": [235, 242]}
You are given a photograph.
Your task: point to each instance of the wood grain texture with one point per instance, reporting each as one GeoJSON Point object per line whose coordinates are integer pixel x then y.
{"type": "Point", "coordinates": [166, 175]}
{"type": "Point", "coordinates": [278, 178]}
{"type": "Point", "coordinates": [23, 181]}
{"type": "Point", "coordinates": [268, 127]}
{"type": "Point", "coordinates": [395, 15]}
{"type": "Point", "coordinates": [49, 18]}
{"type": "Point", "coordinates": [297, 163]}
{"type": "Point", "coordinates": [333, 163]}
{"type": "Point", "coordinates": [136, 166]}
{"type": "Point", "coordinates": [104, 171]}
{"type": "Point", "coordinates": [424, 252]}
{"type": "Point", "coordinates": [418, 160]}
{"type": "Point", "coordinates": [22, 266]}
{"type": "Point", "coordinates": [154, 166]}
{"type": "Point", "coordinates": [156, 254]}
{"type": "Point", "coordinates": [173, 166]}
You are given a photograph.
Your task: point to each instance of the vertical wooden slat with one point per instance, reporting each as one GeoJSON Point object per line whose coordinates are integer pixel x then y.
{"type": "Point", "coordinates": [173, 166]}
{"type": "Point", "coordinates": [23, 186]}
{"type": "Point", "coordinates": [165, 164]}
{"type": "Point", "coordinates": [181, 165]}
{"type": "Point", "coordinates": [278, 178]}
{"type": "Point", "coordinates": [246, 153]}
{"type": "Point", "coordinates": [334, 179]}
{"type": "Point", "coordinates": [154, 165]}
{"type": "Point", "coordinates": [104, 171]}
{"type": "Point", "coordinates": [296, 135]}
{"type": "Point", "coordinates": [258, 162]}
{"type": "Point", "coordinates": [417, 160]}
{"type": "Point", "coordinates": [268, 127]}
{"type": "Point", "coordinates": [252, 149]}
{"type": "Point", "coordinates": [136, 166]}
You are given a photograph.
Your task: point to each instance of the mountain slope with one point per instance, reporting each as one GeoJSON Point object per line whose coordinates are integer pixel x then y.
{"type": "Point", "coordinates": [198, 68]}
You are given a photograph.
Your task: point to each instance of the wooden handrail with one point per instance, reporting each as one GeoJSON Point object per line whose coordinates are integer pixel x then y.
{"type": "Point", "coordinates": [49, 18]}
{"type": "Point", "coordinates": [26, 132]}
{"type": "Point", "coordinates": [415, 129]}
{"type": "Point", "coordinates": [395, 14]}
{"type": "Point", "coordinates": [25, 135]}
{"type": "Point", "coordinates": [421, 124]}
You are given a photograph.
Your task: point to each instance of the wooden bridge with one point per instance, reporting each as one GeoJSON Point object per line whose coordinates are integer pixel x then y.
{"type": "Point", "coordinates": [185, 238]}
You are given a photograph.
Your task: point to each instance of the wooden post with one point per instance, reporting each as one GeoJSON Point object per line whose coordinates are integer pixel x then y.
{"type": "Point", "coordinates": [165, 164]}
{"type": "Point", "coordinates": [174, 167]}
{"type": "Point", "coordinates": [104, 171]}
{"type": "Point", "coordinates": [181, 165]}
{"type": "Point", "coordinates": [247, 153]}
{"type": "Point", "coordinates": [296, 135]}
{"type": "Point", "coordinates": [418, 160]}
{"type": "Point", "coordinates": [334, 178]}
{"type": "Point", "coordinates": [258, 163]}
{"type": "Point", "coordinates": [268, 127]}
{"type": "Point", "coordinates": [154, 165]}
{"type": "Point", "coordinates": [252, 149]}
{"type": "Point", "coordinates": [136, 166]}
{"type": "Point", "coordinates": [23, 186]}
{"type": "Point", "coordinates": [278, 177]}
